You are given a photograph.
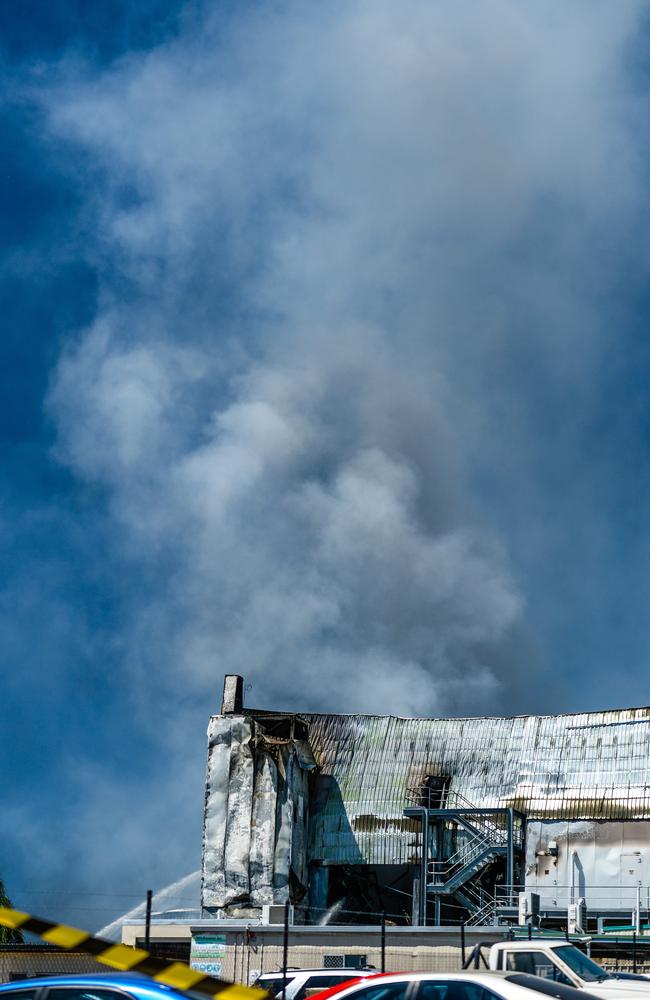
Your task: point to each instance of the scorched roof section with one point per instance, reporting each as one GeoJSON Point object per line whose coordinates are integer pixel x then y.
{"type": "Point", "coordinates": [593, 765]}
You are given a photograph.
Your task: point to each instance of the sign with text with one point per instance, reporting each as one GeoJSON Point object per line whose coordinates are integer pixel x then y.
{"type": "Point", "coordinates": [207, 953]}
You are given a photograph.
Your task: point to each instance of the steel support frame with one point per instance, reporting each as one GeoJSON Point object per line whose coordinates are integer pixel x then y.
{"type": "Point", "coordinates": [510, 857]}
{"type": "Point", "coordinates": [425, 814]}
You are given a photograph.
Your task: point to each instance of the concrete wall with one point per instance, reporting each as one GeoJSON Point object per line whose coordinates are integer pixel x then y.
{"type": "Point", "coordinates": [167, 931]}
{"type": "Point", "coordinates": [251, 949]}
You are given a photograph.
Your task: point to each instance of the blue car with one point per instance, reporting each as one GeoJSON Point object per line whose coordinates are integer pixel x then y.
{"type": "Point", "coordinates": [111, 986]}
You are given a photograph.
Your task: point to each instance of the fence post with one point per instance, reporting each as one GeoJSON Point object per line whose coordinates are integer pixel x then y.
{"type": "Point", "coordinates": [285, 950]}
{"type": "Point", "coordinates": [634, 951]}
{"type": "Point", "coordinates": [462, 941]}
{"type": "Point", "coordinates": [147, 921]}
{"type": "Point", "coordinates": [383, 940]}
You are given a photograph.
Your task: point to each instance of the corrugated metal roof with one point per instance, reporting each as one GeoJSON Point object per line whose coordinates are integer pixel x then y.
{"type": "Point", "coordinates": [593, 765]}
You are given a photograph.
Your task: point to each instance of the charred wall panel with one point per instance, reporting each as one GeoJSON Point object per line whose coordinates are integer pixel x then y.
{"type": "Point", "coordinates": [228, 804]}
{"type": "Point", "coordinates": [263, 830]}
{"type": "Point", "coordinates": [256, 807]}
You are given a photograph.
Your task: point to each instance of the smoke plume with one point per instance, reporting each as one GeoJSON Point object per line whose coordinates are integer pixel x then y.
{"type": "Point", "coordinates": [357, 270]}
{"type": "Point", "coordinates": [321, 235]}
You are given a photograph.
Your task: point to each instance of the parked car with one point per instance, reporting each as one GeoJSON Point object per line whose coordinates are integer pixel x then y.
{"type": "Point", "coordinates": [564, 963]}
{"type": "Point", "coordinates": [466, 985]}
{"type": "Point", "coordinates": [109, 986]}
{"type": "Point", "coordinates": [304, 983]}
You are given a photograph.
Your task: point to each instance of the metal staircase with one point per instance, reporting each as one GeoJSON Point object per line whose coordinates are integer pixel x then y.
{"type": "Point", "coordinates": [488, 826]}
{"type": "Point", "coordinates": [486, 835]}
{"type": "Point", "coordinates": [479, 904]}
{"type": "Point", "coordinates": [469, 860]}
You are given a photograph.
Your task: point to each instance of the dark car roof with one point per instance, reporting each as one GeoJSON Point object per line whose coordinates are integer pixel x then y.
{"type": "Point", "coordinates": [116, 979]}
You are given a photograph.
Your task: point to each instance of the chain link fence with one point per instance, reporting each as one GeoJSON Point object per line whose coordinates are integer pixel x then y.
{"type": "Point", "coordinates": [341, 942]}
{"type": "Point", "coordinates": [251, 958]}
{"type": "Point", "coordinates": [386, 947]}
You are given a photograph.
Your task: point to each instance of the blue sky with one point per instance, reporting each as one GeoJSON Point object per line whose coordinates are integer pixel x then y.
{"type": "Point", "coordinates": [325, 362]}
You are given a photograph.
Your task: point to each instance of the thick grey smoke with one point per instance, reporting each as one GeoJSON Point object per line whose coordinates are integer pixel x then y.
{"type": "Point", "coordinates": [338, 244]}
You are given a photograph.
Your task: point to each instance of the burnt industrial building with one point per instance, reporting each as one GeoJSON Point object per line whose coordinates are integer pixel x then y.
{"type": "Point", "coordinates": [430, 820]}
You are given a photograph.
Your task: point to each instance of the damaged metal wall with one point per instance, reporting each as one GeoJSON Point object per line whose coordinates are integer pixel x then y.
{"type": "Point", "coordinates": [228, 804]}
{"type": "Point", "coordinates": [588, 766]}
{"type": "Point", "coordinates": [264, 822]}
{"type": "Point", "coordinates": [256, 807]}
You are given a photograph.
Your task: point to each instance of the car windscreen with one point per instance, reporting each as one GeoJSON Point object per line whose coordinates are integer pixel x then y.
{"type": "Point", "coordinates": [548, 986]}
{"type": "Point", "coordinates": [581, 964]}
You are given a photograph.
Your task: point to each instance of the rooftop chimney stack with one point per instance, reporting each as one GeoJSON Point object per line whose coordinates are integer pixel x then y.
{"type": "Point", "coordinates": [232, 702]}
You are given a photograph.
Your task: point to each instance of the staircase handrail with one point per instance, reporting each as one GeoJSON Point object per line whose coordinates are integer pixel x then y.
{"type": "Point", "coordinates": [474, 893]}
{"type": "Point", "coordinates": [462, 857]}
{"type": "Point", "coordinates": [459, 802]}
{"type": "Point", "coordinates": [464, 873]}
{"type": "Point", "coordinates": [484, 915]}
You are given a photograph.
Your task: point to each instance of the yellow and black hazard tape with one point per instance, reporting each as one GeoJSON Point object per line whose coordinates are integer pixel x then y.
{"type": "Point", "coordinates": [127, 959]}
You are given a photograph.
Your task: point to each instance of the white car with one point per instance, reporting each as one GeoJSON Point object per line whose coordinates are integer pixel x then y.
{"type": "Point", "coordinates": [563, 963]}
{"type": "Point", "coordinates": [304, 983]}
{"type": "Point", "coordinates": [467, 985]}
